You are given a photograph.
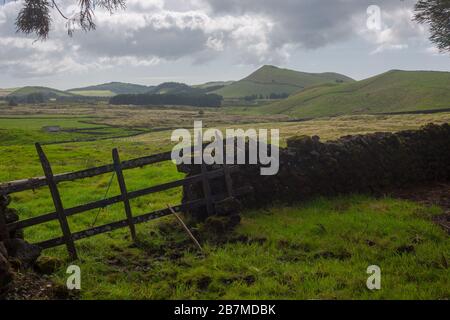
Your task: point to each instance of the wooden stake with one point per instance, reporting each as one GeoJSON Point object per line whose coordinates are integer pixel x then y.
{"type": "Point", "coordinates": [186, 229]}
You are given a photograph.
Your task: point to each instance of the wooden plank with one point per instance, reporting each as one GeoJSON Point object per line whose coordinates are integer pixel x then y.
{"type": "Point", "coordinates": [207, 190]}
{"type": "Point", "coordinates": [38, 182]}
{"type": "Point", "coordinates": [124, 192]}
{"type": "Point", "coordinates": [137, 220]}
{"type": "Point", "coordinates": [57, 202]}
{"type": "Point", "coordinates": [120, 224]}
{"type": "Point", "coordinates": [116, 199]}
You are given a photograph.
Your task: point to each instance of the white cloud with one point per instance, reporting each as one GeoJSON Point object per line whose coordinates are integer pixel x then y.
{"type": "Point", "coordinates": [398, 31]}
{"type": "Point", "coordinates": [151, 31]}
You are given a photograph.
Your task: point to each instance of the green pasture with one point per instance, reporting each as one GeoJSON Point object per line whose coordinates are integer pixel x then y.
{"type": "Point", "coordinates": [315, 250]}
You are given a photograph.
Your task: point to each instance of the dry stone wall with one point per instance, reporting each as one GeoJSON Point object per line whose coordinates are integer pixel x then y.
{"type": "Point", "coordinates": [352, 164]}
{"type": "Point", "coordinates": [15, 252]}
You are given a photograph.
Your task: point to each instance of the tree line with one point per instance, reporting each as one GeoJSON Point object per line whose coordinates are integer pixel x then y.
{"type": "Point", "coordinates": [272, 96]}
{"type": "Point", "coordinates": [197, 100]}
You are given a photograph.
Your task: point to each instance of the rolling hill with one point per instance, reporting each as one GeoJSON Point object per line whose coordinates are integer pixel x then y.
{"type": "Point", "coordinates": [390, 92]}
{"type": "Point", "coordinates": [270, 79]}
{"type": "Point", "coordinates": [47, 93]}
{"type": "Point", "coordinates": [213, 85]}
{"type": "Point", "coordinates": [110, 89]}
{"type": "Point", "coordinates": [173, 88]}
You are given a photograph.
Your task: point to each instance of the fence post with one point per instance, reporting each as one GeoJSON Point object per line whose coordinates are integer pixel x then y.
{"type": "Point", "coordinates": [124, 192]}
{"type": "Point", "coordinates": [228, 180]}
{"type": "Point", "coordinates": [207, 190]}
{"type": "Point", "coordinates": [67, 235]}
{"type": "Point", "coordinates": [205, 180]}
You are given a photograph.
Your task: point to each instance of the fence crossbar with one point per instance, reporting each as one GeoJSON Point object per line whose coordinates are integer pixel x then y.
{"type": "Point", "coordinates": [116, 199]}
{"type": "Point", "coordinates": [137, 219]}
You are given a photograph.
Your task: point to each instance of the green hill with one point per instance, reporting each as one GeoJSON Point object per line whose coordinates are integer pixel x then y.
{"type": "Point", "coordinates": [110, 89]}
{"type": "Point", "coordinates": [390, 92]}
{"type": "Point", "coordinates": [175, 88]}
{"type": "Point", "coordinates": [213, 86]}
{"type": "Point", "coordinates": [272, 80]}
{"type": "Point", "coordinates": [47, 93]}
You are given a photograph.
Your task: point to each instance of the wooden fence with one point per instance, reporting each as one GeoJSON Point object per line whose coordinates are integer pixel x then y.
{"type": "Point", "coordinates": [61, 213]}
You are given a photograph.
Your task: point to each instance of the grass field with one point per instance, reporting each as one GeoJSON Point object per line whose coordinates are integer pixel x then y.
{"type": "Point", "coordinates": [93, 93]}
{"type": "Point", "coordinates": [28, 130]}
{"type": "Point", "coordinates": [315, 250]}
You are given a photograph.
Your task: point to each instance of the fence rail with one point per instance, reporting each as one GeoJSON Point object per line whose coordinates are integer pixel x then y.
{"type": "Point", "coordinates": [68, 238]}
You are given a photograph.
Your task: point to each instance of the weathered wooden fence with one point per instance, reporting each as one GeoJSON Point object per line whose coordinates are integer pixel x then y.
{"type": "Point", "coordinates": [61, 213]}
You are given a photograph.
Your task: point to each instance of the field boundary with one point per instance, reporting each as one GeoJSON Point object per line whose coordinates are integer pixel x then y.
{"type": "Point", "coordinates": [117, 167]}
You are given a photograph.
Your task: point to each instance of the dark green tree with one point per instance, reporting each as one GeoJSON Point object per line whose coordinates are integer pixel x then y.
{"type": "Point", "coordinates": [436, 13]}
{"type": "Point", "coordinates": [12, 102]}
{"type": "Point", "coordinates": [35, 15]}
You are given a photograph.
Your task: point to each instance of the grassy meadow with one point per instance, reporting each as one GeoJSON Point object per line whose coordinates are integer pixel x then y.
{"type": "Point", "coordinates": [315, 250]}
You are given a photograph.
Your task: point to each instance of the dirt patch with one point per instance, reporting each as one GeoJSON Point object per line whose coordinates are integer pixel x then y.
{"type": "Point", "coordinates": [31, 286]}
{"type": "Point", "coordinates": [431, 194]}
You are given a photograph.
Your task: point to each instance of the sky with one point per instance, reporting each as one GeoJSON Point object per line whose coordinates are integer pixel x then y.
{"type": "Point", "coordinates": [196, 41]}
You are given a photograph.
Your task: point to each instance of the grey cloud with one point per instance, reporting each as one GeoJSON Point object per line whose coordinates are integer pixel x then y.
{"type": "Point", "coordinates": [309, 23]}
{"type": "Point", "coordinates": [252, 31]}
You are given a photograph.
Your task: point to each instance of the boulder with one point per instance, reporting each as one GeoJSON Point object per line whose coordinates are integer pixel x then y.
{"type": "Point", "coordinates": [221, 225]}
{"type": "Point", "coordinates": [47, 265]}
{"type": "Point", "coordinates": [228, 207]}
{"type": "Point", "coordinates": [4, 234]}
{"type": "Point", "coordinates": [6, 274]}
{"type": "Point", "coordinates": [22, 251]}
{"type": "Point", "coordinates": [10, 215]}
{"type": "Point", "coordinates": [3, 250]}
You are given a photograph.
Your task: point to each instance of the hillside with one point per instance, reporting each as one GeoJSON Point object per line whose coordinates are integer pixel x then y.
{"type": "Point", "coordinates": [393, 91]}
{"type": "Point", "coordinates": [46, 92]}
{"type": "Point", "coordinates": [110, 89]}
{"type": "Point", "coordinates": [213, 86]}
{"type": "Point", "coordinates": [174, 88]}
{"type": "Point", "coordinates": [270, 79]}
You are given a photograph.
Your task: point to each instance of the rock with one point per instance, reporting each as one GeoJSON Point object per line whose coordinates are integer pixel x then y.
{"type": "Point", "coordinates": [4, 234]}
{"type": "Point", "coordinates": [47, 265]}
{"type": "Point", "coordinates": [221, 224]}
{"type": "Point", "coordinates": [303, 143]}
{"type": "Point", "coordinates": [11, 215]}
{"type": "Point", "coordinates": [4, 202]}
{"type": "Point", "coordinates": [23, 251]}
{"type": "Point", "coordinates": [6, 274]}
{"type": "Point", "coordinates": [3, 250]}
{"type": "Point", "coordinates": [227, 207]}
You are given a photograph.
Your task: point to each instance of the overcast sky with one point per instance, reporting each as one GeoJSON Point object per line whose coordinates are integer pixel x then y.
{"type": "Point", "coordinates": [196, 41]}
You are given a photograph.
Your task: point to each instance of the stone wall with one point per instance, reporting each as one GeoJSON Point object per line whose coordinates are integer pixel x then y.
{"type": "Point", "coordinates": [15, 253]}
{"type": "Point", "coordinates": [352, 164]}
